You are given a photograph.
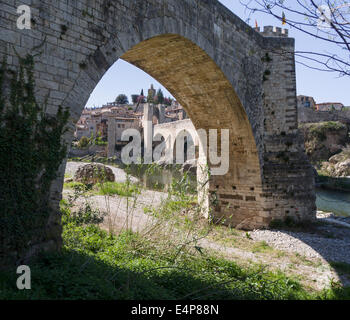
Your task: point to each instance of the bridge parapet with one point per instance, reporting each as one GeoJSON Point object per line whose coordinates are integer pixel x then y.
{"type": "Point", "coordinates": [272, 31]}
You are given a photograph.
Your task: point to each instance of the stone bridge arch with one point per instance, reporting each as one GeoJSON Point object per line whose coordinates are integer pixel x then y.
{"type": "Point", "coordinates": [223, 72]}
{"type": "Point", "coordinates": [174, 131]}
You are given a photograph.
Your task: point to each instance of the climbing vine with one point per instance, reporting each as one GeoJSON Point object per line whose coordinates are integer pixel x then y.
{"type": "Point", "coordinates": [30, 154]}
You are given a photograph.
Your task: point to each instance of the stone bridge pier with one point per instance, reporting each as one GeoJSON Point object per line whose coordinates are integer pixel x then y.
{"type": "Point", "coordinates": [224, 73]}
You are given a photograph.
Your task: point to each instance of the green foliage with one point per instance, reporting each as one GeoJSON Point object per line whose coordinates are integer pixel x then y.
{"type": "Point", "coordinates": [283, 156]}
{"type": "Point", "coordinates": [98, 141]}
{"type": "Point", "coordinates": [266, 75]}
{"type": "Point", "coordinates": [30, 154]}
{"type": "Point", "coordinates": [320, 130]}
{"type": "Point", "coordinates": [289, 223]}
{"type": "Point", "coordinates": [261, 247]}
{"type": "Point", "coordinates": [160, 96]}
{"type": "Point", "coordinates": [122, 99]}
{"type": "Point", "coordinates": [342, 184]}
{"type": "Point", "coordinates": [84, 216]}
{"type": "Point", "coordinates": [117, 188]}
{"type": "Point", "coordinates": [96, 265]}
{"type": "Point", "coordinates": [83, 142]}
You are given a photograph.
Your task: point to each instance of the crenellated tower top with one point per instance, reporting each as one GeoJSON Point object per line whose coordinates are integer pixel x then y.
{"type": "Point", "coordinates": [270, 31]}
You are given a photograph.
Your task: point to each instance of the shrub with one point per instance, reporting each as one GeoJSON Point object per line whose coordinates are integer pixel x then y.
{"type": "Point", "coordinates": [83, 142]}
{"type": "Point", "coordinates": [320, 130]}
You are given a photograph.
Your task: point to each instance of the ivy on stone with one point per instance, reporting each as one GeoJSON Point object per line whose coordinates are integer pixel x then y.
{"type": "Point", "coordinates": [31, 151]}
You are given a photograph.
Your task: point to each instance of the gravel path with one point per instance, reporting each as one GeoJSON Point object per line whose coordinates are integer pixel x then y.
{"type": "Point", "coordinates": [307, 245]}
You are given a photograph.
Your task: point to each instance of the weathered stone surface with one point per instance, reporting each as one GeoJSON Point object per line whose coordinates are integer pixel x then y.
{"type": "Point", "coordinates": [308, 115]}
{"type": "Point", "coordinates": [94, 173]}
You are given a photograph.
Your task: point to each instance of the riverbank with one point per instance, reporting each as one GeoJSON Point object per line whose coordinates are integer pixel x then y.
{"type": "Point", "coordinates": [311, 255]}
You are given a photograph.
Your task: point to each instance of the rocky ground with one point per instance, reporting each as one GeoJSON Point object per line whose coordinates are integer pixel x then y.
{"type": "Point", "coordinates": [307, 254]}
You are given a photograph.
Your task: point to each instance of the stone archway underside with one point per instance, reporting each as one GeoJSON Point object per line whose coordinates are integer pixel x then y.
{"type": "Point", "coordinates": [211, 103]}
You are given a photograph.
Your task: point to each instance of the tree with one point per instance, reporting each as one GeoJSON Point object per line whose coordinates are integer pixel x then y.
{"type": "Point", "coordinates": [160, 96]}
{"type": "Point", "coordinates": [122, 99]}
{"type": "Point", "coordinates": [168, 101]}
{"type": "Point", "coordinates": [150, 98]}
{"type": "Point", "coordinates": [135, 98]}
{"type": "Point", "coordinates": [326, 20]}
{"type": "Point", "coordinates": [83, 142]}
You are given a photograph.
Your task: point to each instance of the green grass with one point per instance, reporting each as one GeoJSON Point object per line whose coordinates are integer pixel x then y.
{"type": "Point", "coordinates": [74, 185]}
{"type": "Point", "coordinates": [261, 247]}
{"type": "Point", "coordinates": [96, 265]}
{"type": "Point", "coordinates": [117, 188]}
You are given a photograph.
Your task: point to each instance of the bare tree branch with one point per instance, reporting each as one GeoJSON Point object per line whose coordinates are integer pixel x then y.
{"type": "Point", "coordinates": [325, 20]}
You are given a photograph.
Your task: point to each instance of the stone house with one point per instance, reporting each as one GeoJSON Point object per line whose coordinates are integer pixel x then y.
{"type": "Point", "coordinates": [329, 106]}
{"type": "Point", "coordinates": [306, 102]}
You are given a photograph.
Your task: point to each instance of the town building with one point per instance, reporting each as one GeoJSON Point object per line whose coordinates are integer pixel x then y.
{"type": "Point", "coordinates": [329, 106]}
{"type": "Point", "coordinates": [96, 121]}
{"type": "Point", "coordinates": [306, 102]}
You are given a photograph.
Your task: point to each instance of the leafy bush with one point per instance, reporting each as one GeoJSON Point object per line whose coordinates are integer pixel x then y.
{"type": "Point", "coordinates": [122, 99]}
{"type": "Point", "coordinates": [84, 142]}
{"type": "Point", "coordinates": [84, 216]}
{"type": "Point", "coordinates": [320, 130]}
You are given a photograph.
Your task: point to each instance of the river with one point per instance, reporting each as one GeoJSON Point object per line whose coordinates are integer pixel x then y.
{"type": "Point", "coordinates": [333, 201]}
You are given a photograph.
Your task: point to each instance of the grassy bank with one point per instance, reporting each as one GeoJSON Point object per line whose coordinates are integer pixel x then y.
{"type": "Point", "coordinates": [163, 261]}
{"type": "Point", "coordinates": [96, 265]}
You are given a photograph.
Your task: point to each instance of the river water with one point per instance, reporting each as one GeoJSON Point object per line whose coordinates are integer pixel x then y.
{"type": "Point", "coordinates": [333, 201]}
{"type": "Point", "coordinates": [161, 179]}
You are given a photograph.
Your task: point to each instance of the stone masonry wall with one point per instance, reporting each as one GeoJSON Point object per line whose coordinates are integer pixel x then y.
{"type": "Point", "coordinates": [307, 115]}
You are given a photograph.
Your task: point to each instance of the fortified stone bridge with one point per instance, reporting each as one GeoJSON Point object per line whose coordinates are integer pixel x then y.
{"type": "Point", "coordinates": [225, 74]}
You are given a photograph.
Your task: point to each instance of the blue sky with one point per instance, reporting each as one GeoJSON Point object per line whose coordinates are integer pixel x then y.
{"type": "Point", "coordinates": [323, 86]}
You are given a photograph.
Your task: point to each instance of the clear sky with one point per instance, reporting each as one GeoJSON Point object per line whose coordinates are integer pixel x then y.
{"type": "Point", "coordinates": [323, 86]}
